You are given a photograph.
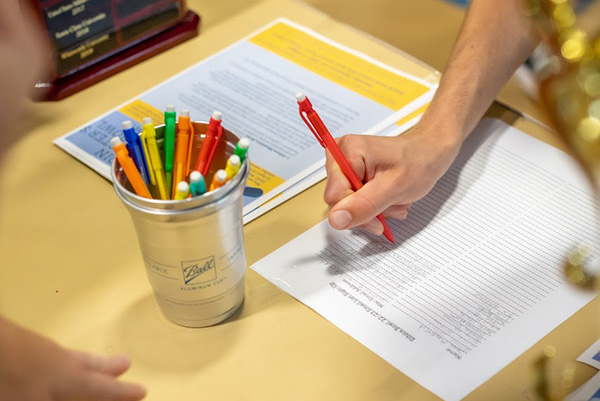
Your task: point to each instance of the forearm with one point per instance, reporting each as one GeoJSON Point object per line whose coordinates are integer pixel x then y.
{"type": "Point", "coordinates": [496, 37]}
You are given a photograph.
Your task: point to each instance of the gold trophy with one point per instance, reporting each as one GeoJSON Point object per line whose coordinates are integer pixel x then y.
{"type": "Point", "coordinates": [569, 79]}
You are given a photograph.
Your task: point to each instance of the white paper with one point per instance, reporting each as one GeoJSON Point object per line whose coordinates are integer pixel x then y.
{"type": "Point", "coordinates": [591, 356]}
{"type": "Point", "coordinates": [589, 391]}
{"type": "Point", "coordinates": [474, 278]}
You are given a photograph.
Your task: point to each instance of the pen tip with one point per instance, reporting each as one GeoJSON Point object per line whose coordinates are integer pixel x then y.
{"type": "Point", "coordinates": [300, 96]}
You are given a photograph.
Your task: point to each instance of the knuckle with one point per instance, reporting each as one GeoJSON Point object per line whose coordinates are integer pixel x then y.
{"type": "Point", "coordinates": [328, 198]}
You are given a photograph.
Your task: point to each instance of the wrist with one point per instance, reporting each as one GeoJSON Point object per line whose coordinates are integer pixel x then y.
{"type": "Point", "coordinates": [444, 133]}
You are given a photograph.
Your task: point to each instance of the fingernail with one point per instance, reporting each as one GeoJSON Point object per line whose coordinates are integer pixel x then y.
{"type": "Point", "coordinates": [340, 219]}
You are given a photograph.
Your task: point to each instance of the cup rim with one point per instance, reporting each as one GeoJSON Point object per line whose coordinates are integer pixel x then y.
{"type": "Point", "coordinates": [183, 205]}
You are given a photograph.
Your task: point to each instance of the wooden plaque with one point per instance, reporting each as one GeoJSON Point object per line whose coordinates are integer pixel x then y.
{"type": "Point", "coordinates": [93, 39]}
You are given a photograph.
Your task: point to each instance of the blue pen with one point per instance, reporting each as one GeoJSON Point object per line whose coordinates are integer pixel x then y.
{"type": "Point", "coordinates": [197, 183]}
{"type": "Point", "coordinates": [135, 149]}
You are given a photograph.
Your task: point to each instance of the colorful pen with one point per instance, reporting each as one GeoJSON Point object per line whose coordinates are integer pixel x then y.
{"type": "Point", "coordinates": [233, 166]}
{"type": "Point", "coordinates": [169, 144]}
{"type": "Point", "coordinates": [155, 161]}
{"type": "Point", "coordinates": [131, 171]}
{"type": "Point", "coordinates": [183, 190]}
{"type": "Point", "coordinates": [320, 131]}
{"type": "Point", "coordinates": [181, 149]}
{"type": "Point", "coordinates": [147, 157]}
{"type": "Point", "coordinates": [242, 148]}
{"type": "Point", "coordinates": [209, 144]}
{"type": "Point", "coordinates": [197, 183]}
{"type": "Point", "coordinates": [188, 162]}
{"type": "Point", "coordinates": [219, 179]}
{"type": "Point", "coordinates": [136, 150]}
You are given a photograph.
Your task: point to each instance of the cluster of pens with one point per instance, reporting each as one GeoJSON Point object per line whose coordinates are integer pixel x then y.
{"type": "Point", "coordinates": [168, 174]}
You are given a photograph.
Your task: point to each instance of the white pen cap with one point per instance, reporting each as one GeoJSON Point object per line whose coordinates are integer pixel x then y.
{"type": "Point", "coordinates": [115, 141]}
{"type": "Point", "coordinates": [217, 115]}
{"type": "Point", "coordinates": [244, 143]}
{"type": "Point", "coordinates": [127, 124]}
{"type": "Point", "coordinates": [183, 186]}
{"type": "Point", "coordinates": [170, 108]}
{"type": "Point", "coordinates": [300, 96]}
{"type": "Point", "coordinates": [221, 175]}
{"type": "Point", "coordinates": [234, 160]}
{"type": "Point", "coordinates": [146, 121]}
{"type": "Point", "coordinates": [195, 176]}
{"type": "Point", "coordinates": [185, 113]}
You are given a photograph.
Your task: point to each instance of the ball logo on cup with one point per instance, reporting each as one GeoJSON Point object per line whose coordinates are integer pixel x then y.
{"type": "Point", "coordinates": [199, 271]}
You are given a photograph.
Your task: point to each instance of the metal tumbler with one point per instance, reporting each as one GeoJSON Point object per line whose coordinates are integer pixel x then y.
{"type": "Point", "coordinates": [193, 249]}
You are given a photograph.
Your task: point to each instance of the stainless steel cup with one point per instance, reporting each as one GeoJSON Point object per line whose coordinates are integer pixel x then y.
{"type": "Point", "coordinates": [193, 249]}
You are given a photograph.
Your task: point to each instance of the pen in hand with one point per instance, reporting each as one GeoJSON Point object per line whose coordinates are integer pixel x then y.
{"type": "Point", "coordinates": [320, 131]}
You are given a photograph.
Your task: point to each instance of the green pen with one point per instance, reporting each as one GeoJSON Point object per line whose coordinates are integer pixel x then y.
{"type": "Point", "coordinates": [170, 122]}
{"type": "Point", "coordinates": [242, 148]}
{"type": "Point", "coordinates": [197, 183]}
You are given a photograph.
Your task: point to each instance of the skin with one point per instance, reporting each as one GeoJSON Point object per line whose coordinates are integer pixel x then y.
{"type": "Point", "coordinates": [494, 40]}
{"type": "Point", "coordinates": [32, 367]}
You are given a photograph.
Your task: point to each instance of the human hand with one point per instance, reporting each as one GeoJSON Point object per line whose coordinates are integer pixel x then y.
{"type": "Point", "coordinates": [33, 368]}
{"type": "Point", "coordinates": [24, 58]}
{"type": "Point", "coordinates": [398, 170]}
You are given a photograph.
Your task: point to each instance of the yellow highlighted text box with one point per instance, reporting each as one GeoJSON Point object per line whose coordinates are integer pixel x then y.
{"type": "Point", "coordinates": [346, 69]}
{"type": "Point", "coordinates": [138, 110]}
{"type": "Point", "coordinates": [262, 179]}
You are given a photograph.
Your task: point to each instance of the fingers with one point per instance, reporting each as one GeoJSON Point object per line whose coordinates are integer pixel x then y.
{"type": "Point", "coordinates": [338, 186]}
{"type": "Point", "coordinates": [373, 226]}
{"type": "Point", "coordinates": [362, 206]}
{"type": "Point", "coordinates": [351, 209]}
{"type": "Point", "coordinates": [399, 212]}
{"type": "Point", "coordinates": [99, 387]}
{"type": "Point", "coordinates": [114, 365]}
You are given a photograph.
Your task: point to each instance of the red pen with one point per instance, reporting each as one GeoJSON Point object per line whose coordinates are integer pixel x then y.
{"type": "Point", "coordinates": [320, 131]}
{"type": "Point", "coordinates": [209, 144]}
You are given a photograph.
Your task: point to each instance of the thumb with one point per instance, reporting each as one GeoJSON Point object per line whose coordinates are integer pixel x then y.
{"type": "Point", "coordinates": [363, 205]}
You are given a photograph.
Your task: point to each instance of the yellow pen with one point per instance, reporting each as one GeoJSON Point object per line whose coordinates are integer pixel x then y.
{"type": "Point", "coordinates": [182, 190]}
{"type": "Point", "coordinates": [150, 136]}
{"type": "Point", "coordinates": [233, 166]}
{"type": "Point", "coordinates": [147, 156]}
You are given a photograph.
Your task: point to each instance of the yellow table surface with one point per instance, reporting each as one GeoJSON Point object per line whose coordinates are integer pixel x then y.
{"type": "Point", "coordinates": [71, 268]}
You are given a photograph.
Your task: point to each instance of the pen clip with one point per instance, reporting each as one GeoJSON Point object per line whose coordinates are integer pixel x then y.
{"type": "Point", "coordinates": [312, 129]}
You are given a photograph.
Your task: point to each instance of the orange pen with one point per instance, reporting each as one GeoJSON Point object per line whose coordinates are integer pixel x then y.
{"type": "Point", "coordinates": [132, 173]}
{"type": "Point", "coordinates": [188, 168]}
{"type": "Point", "coordinates": [184, 129]}
{"type": "Point", "coordinates": [219, 179]}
